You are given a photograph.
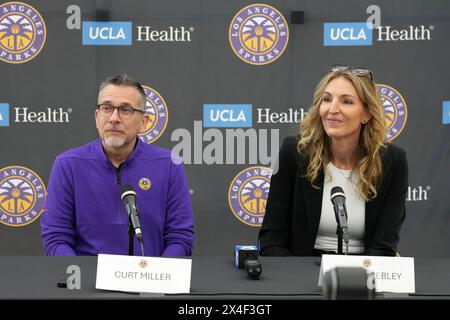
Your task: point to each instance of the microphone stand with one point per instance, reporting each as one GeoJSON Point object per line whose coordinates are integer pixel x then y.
{"type": "Point", "coordinates": [339, 234]}
{"type": "Point", "coordinates": [130, 239]}
{"type": "Point", "coordinates": [131, 242]}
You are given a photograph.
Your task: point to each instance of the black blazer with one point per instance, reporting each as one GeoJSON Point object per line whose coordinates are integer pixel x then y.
{"type": "Point", "coordinates": [293, 210]}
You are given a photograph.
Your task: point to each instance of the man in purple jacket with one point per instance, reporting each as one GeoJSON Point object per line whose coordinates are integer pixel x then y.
{"type": "Point", "coordinates": [85, 215]}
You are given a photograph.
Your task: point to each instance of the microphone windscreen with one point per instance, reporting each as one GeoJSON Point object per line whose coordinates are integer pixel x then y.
{"type": "Point", "coordinates": [344, 283]}
{"type": "Point", "coordinates": [337, 191]}
{"type": "Point", "coordinates": [126, 190]}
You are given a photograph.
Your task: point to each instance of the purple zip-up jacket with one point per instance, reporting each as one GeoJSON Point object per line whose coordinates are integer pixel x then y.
{"type": "Point", "coordinates": [85, 215]}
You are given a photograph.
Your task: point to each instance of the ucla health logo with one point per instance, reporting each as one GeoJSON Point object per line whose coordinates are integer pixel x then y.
{"type": "Point", "coordinates": [361, 33]}
{"type": "Point", "coordinates": [22, 196]}
{"type": "Point", "coordinates": [347, 34]}
{"type": "Point", "coordinates": [445, 112]}
{"type": "Point", "coordinates": [116, 33]}
{"type": "Point", "coordinates": [258, 34]}
{"type": "Point", "coordinates": [247, 195]}
{"type": "Point", "coordinates": [395, 110]}
{"type": "Point", "coordinates": [227, 115]}
{"type": "Point", "coordinates": [158, 115]}
{"type": "Point", "coordinates": [4, 114]}
{"type": "Point", "coordinates": [22, 32]}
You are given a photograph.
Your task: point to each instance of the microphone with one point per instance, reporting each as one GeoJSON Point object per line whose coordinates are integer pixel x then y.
{"type": "Point", "coordinates": [246, 257]}
{"type": "Point", "coordinates": [340, 210]}
{"type": "Point", "coordinates": [128, 196]}
{"type": "Point", "coordinates": [344, 283]}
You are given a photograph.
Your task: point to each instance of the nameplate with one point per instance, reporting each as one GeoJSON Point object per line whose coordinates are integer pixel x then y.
{"type": "Point", "coordinates": [392, 274]}
{"type": "Point", "coordinates": [143, 274]}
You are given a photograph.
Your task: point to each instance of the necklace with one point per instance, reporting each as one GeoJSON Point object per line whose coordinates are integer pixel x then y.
{"type": "Point", "coordinates": [347, 174]}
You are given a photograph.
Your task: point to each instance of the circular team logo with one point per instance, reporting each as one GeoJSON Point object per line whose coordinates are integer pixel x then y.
{"type": "Point", "coordinates": [247, 195]}
{"type": "Point", "coordinates": [366, 263]}
{"type": "Point", "coordinates": [158, 114]}
{"type": "Point", "coordinates": [258, 34]}
{"type": "Point", "coordinates": [395, 111]}
{"type": "Point", "coordinates": [22, 32]}
{"type": "Point", "coordinates": [143, 263]}
{"type": "Point", "coordinates": [22, 196]}
{"type": "Point", "coordinates": [144, 184]}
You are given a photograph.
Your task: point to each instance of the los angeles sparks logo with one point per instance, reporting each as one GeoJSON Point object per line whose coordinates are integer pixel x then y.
{"type": "Point", "coordinates": [258, 34]}
{"type": "Point", "coordinates": [144, 183]}
{"type": "Point", "coordinates": [22, 196]}
{"type": "Point", "coordinates": [156, 109]}
{"type": "Point", "coordinates": [22, 32]}
{"type": "Point", "coordinates": [247, 195]}
{"type": "Point", "coordinates": [395, 110]}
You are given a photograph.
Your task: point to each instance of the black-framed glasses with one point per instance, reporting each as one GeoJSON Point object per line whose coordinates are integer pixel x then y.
{"type": "Point", "coordinates": [355, 70]}
{"type": "Point", "coordinates": [125, 112]}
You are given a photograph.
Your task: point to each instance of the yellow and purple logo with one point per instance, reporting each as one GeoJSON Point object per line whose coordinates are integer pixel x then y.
{"type": "Point", "coordinates": [158, 114]}
{"type": "Point", "coordinates": [144, 183]}
{"type": "Point", "coordinates": [22, 32]}
{"type": "Point", "coordinates": [395, 110]}
{"type": "Point", "coordinates": [247, 195]}
{"type": "Point", "coordinates": [22, 196]}
{"type": "Point", "coordinates": [258, 34]}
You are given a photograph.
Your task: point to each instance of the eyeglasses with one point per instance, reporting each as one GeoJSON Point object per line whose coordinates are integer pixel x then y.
{"type": "Point", "coordinates": [125, 112]}
{"type": "Point", "coordinates": [357, 71]}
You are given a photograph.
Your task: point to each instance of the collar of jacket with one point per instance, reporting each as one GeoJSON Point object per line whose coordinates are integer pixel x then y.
{"type": "Point", "coordinates": [100, 154]}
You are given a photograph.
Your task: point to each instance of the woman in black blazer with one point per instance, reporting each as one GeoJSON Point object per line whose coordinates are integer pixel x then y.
{"type": "Point", "coordinates": [342, 136]}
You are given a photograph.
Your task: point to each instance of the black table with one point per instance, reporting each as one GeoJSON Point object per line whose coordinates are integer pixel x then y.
{"type": "Point", "coordinates": [36, 277]}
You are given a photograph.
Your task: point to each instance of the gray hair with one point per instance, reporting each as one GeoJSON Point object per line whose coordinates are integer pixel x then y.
{"type": "Point", "coordinates": [125, 80]}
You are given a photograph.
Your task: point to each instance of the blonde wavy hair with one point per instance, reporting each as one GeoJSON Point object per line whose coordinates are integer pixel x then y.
{"type": "Point", "coordinates": [314, 143]}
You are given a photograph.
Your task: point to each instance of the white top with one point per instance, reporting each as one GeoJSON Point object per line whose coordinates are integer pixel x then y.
{"type": "Point", "coordinates": [356, 208]}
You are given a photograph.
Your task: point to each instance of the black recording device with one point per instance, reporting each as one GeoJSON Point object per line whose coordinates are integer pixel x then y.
{"type": "Point", "coordinates": [246, 257]}
{"type": "Point", "coordinates": [253, 268]}
{"type": "Point", "coordinates": [62, 283]}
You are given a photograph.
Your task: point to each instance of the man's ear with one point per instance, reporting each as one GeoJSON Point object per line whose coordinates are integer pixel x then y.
{"type": "Point", "coordinates": [96, 115]}
{"type": "Point", "coordinates": [144, 121]}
